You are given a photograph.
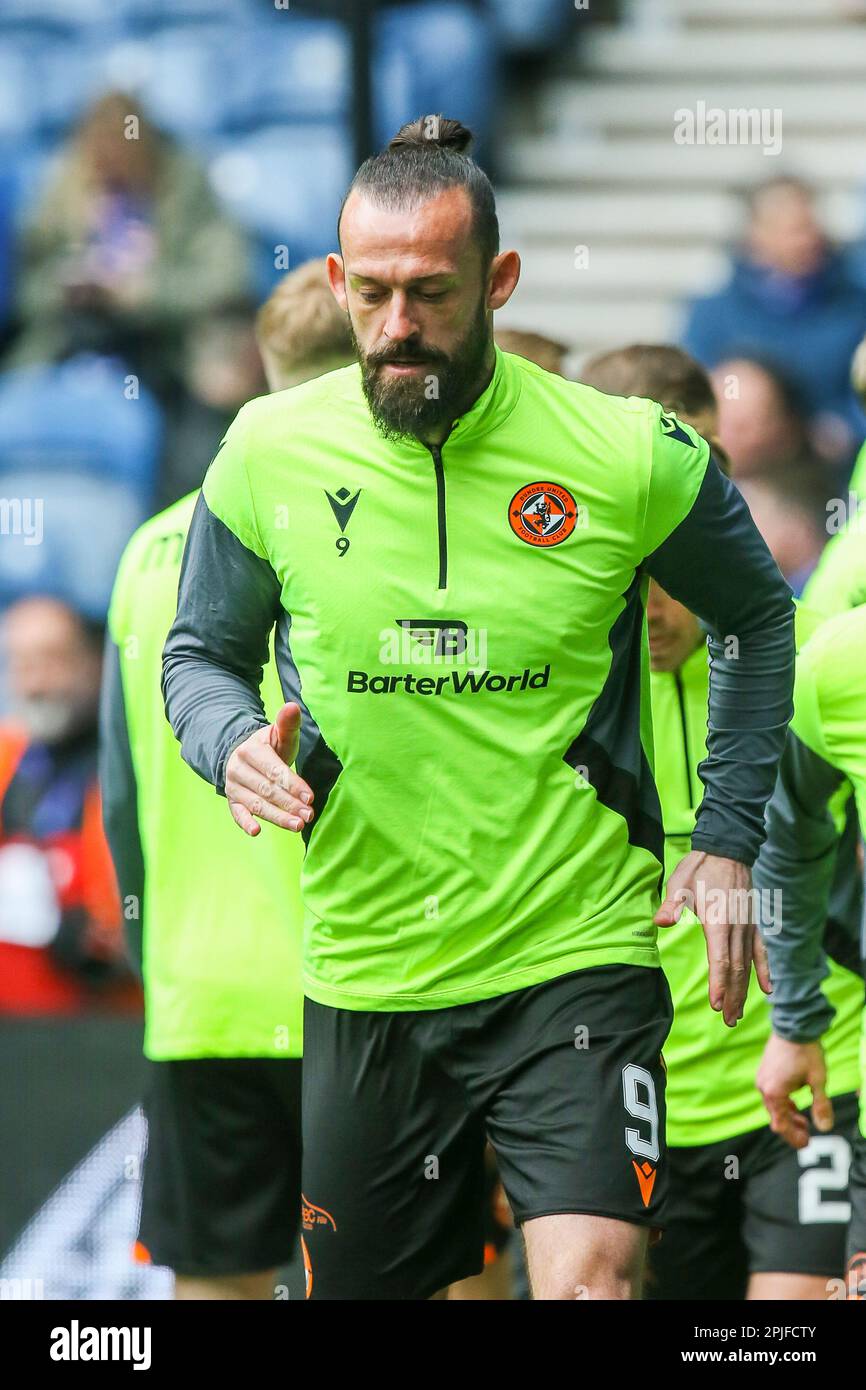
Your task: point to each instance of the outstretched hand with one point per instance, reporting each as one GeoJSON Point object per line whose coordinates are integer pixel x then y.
{"type": "Point", "coordinates": [260, 783]}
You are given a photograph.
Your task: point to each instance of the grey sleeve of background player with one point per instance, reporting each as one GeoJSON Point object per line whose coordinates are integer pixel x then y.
{"type": "Point", "coordinates": [716, 563]}
{"type": "Point", "coordinates": [216, 650]}
{"type": "Point", "coordinates": [794, 876]}
{"type": "Point", "coordinates": [119, 795]}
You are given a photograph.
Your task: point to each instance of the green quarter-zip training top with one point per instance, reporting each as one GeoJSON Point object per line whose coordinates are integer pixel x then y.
{"type": "Point", "coordinates": [464, 630]}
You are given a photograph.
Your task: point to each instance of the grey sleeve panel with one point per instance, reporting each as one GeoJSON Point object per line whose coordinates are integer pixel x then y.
{"type": "Point", "coordinates": [119, 793]}
{"type": "Point", "coordinates": [716, 563]}
{"type": "Point", "coordinates": [216, 650]}
{"type": "Point", "coordinates": [843, 933]}
{"type": "Point", "coordinates": [794, 875]}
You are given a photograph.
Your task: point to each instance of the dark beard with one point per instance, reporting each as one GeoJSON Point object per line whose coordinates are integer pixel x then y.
{"type": "Point", "coordinates": [415, 407]}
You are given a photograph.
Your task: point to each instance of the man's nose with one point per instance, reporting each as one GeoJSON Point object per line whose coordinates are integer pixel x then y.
{"type": "Point", "coordinates": [399, 324]}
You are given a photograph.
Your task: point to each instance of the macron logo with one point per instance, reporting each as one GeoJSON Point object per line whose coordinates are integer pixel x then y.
{"type": "Point", "coordinates": [77, 1343]}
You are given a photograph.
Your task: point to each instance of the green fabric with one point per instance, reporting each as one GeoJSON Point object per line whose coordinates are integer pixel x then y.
{"type": "Point", "coordinates": [858, 475]}
{"type": "Point", "coordinates": [830, 698]}
{"type": "Point", "coordinates": [711, 1068]}
{"type": "Point", "coordinates": [839, 579]}
{"type": "Point", "coordinates": [556, 884]}
{"type": "Point", "coordinates": [830, 716]}
{"type": "Point", "coordinates": [222, 913]}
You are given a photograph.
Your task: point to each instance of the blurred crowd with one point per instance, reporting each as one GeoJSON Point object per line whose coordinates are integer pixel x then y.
{"type": "Point", "coordinates": [134, 270]}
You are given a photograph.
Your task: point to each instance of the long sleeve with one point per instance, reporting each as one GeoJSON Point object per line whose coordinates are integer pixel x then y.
{"type": "Point", "coordinates": [794, 875]}
{"type": "Point", "coordinates": [120, 800]}
{"type": "Point", "coordinates": [716, 563]}
{"type": "Point", "coordinates": [216, 650]}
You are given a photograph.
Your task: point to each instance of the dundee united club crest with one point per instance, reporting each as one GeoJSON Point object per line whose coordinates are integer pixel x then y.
{"type": "Point", "coordinates": [542, 514]}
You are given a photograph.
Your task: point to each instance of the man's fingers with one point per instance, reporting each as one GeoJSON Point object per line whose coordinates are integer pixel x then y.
{"type": "Point", "coordinates": [244, 819]}
{"type": "Point", "coordinates": [243, 801]}
{"type": "Point", "coordinates": [762, 963]}
{"type": "Point", "coordinates": [738, 974]}
{"type": "Point", "coordinates": [284, 732]}
{"type": "Point", "coordinates": [719, 961]}
{"type": "Point", "coordinates": [787, 1121]}
{"type": "Point", "coordinates": [257, 755]}
{"type": "Point", "coordinates": [668, 914]}
{"type": "Point", "coordinates": [290, 793]}
{"type": "Point", "coordinates": [822, 1109]}
{"type": "Point", "coordinates": [671, 909]}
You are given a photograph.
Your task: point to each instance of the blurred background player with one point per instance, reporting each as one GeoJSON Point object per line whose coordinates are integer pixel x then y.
{"type": "Point", "coordinates": [738, 1224]}
{"type": "Point", "coordinates": [839, 579]}
{"type": "Point", "coordinates": [535, 347]}
{"type": "Point", "coordinates": [792, 301]}
{"type": "Point", "coordinates": [70, 1006]}
{"type": "Point", "coordinates": [61, 947]}
{"type": "Point", "coordinates": [825, 750]}
{"type": "Point", "coordinates": [221, 1195]}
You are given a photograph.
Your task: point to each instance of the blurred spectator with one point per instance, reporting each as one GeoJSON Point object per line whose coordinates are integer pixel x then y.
{"type": "Point", "coordinates": [760, 425]}
{"type": "Point", "coordinates": [302, 332]}
{"type": "Point", "coordinates": [544, 352]}
{"type": "Point", "coordinates": [788, 515]}
{"type": "Point", "coordinates": [683, 386]}
{"type": "Point", "coordinates": [125, 245]}
{"type": "Point", "coordinates": [222, 370]}
{"type": "Point", "coordinates": [61, 948]}
{"type": "Point", "coordinates": [790, 301]}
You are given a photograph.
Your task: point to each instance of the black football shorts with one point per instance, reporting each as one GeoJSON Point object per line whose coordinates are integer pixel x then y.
{"type": "Point", "coordinates": [222, 1171]}
{"type": "Point", "coordinates": [856, 1268]}
{"type": "Point", "coordinates": [753, 1205]}
{"type": "Point", "coordinates": [566, 1079]}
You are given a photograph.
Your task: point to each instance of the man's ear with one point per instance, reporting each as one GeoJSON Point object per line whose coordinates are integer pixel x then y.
{"type": "Point", "coordinates": [337, 279]}
{"type": "Point", "coordinates": [504, 275]}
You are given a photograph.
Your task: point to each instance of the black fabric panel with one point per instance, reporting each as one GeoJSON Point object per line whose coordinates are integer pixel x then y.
{"type": "Point", "coordinates": [717, 564]}
{"type": "Point", "coordinates": [320, 770]}
{"type": "Point", "coordinates": [609, 745]}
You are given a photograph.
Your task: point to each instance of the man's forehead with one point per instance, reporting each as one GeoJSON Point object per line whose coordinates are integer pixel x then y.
{"type": "Point", "coordinates": [432, 238]}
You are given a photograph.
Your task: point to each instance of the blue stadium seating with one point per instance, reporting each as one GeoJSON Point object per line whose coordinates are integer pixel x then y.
{"type": "Point", "coordinates": [285, 184]}
{"type": "Point", "coordinates": [145, 16]}
{"type": "Point", "coordinates": [19, 103]}
{"type": "Point", "coordinates": [76, 450]}
{"type": "Point", "coordinates": [434, 57]}
{"type": "Point", "coordinates": [36, 16]}
{"type": "Point", "coordinates": [184, 78]}
{"type": "Point", "coordinates": [530, 26]}
{"type": "Point", "coordinates": [292, 69]}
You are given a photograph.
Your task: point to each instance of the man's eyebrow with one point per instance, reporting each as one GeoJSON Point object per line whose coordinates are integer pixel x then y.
{"type": "Point", "coordinates": [356, 277]}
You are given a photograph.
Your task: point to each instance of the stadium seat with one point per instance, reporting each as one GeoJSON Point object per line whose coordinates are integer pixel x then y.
{"type": "Point", "coordinates": [19, 105]}
{"type": "Point", "coordinates": [434, 57]}
{"type": "Point", "coordinates": [184, 77]}
{"type": "Point", "coordinates": [291, 69]}
{"type": "Point", "coordinates": [30, 16]}
{"type": "Point", "coordinates": [530, 26]}
{"type": "Point", "coordinates": [145, 16]}
{"type": "Point", "coordinates": [77, 468]}
{"type": "Point", "coordinates": [8, 207]}
{"type": "Point", "coordinates": [284, 183]}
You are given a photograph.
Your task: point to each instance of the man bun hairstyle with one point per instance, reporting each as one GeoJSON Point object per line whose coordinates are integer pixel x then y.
{"type": "Point", "coordinates": [440, 131]}
{"type": "Point", "coordinates": [426, 157]}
